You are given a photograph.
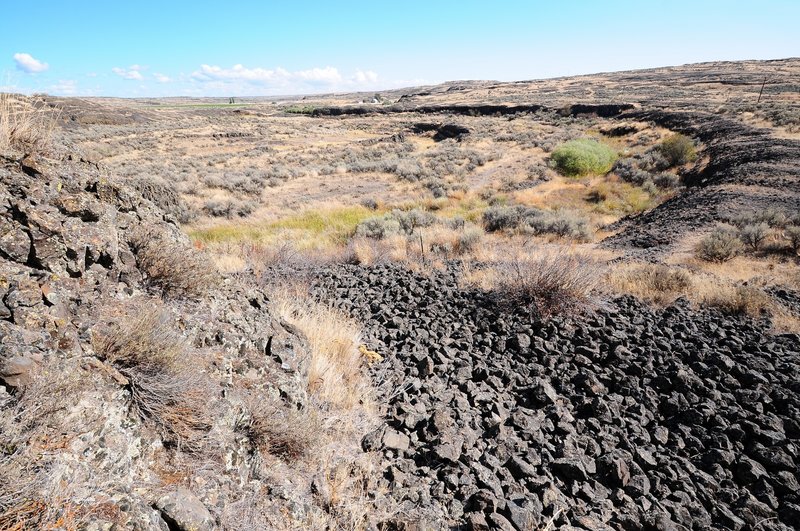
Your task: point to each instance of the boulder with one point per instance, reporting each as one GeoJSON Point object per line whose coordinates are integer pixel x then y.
{"type": "Point", "coordinates": [183, 511]}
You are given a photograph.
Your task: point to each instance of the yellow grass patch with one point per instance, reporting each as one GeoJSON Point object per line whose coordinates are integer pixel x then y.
{"type": "Point", "coordinates": [311, 229]}
{"type": "Point", "coordinates": [335, 366]}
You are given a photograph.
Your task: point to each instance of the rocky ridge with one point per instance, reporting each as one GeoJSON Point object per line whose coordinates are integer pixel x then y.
{"type": "Point", "coordinates": [743, 169]}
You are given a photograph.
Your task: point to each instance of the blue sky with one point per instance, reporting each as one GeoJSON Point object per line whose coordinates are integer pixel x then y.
{"type": "Point", "coordinates": [172, 48]}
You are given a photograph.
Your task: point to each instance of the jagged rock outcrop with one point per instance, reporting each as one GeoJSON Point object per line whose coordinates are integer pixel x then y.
{"type": "Point", "coordinates": [92, 430]}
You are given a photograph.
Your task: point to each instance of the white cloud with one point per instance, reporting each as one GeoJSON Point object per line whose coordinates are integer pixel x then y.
{"type": "Point", "coordinates": [27, 63]}
{"type": "Point", "coordinates": [327, 75]}
{"type": "Point", "coordinates": [132, 72]}
{"type": "Point", "coordinates": [363, 77]}
{"type": "Point", "coordinates": [257, 80]}
{"type": "Point", "coordinates": [161, 78]}
{"type": "Point", "coordinates": [91, 74]}
{"type": "Point", "coordinates": [262, 76]}
{"type": "Point", "coordinates": [64, 87]}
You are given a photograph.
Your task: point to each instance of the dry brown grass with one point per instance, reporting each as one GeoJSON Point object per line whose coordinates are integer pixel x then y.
{"type": "Point", "coordinates": [335, 365]}
{"type": "Point", "coordinates": [23, 125]}
{"type": "Point", "coordinates": [284, 432]}
{"type": "Point", "coordinates": [368, 251]}
{"type": "Point", "coordinates": [740, 300]}
{"type": "Point", "coordinates": [655, 283]}
{"type": "Point", "coordinates": [745, 299]}
{"type": "Point", "coordinates": [736, 287]}
{"type": "Point", "coordinates": [173, 267]}
{"type": "Point", "coordinates": [141, 342]}
{"type": "Point", "coordinates": [321, 440]}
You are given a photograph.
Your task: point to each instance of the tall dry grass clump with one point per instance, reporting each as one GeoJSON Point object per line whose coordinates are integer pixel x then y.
{"type": "Point", "coordinates": [335, 365]}
{"type": "Point", "coordinates": [656, 283]}
{"type": "Point", "coordinates": [23, 125]}
{"type": "Point", "coordinates": [546, 282]}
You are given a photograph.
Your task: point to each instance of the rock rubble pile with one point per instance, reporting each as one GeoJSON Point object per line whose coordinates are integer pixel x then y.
{"type": "Point", "coordinates": [627, 418]}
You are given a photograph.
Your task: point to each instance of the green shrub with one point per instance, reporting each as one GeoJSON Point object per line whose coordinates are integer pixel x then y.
{"type": "Point", "coordinates": [678, 149]}
{"type": "Point", "coordinates": [720, 245]}
{"type": "Point", "coordinates": [584, 156]}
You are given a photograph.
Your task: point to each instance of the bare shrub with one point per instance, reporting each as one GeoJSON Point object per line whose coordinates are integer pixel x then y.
{"type": "Point", "coordinates": [443, 241]}
{"type": "Point", "coordinates": [229, 209]}
{"type": "Point", "coordinates": [282, 431]}
{"type": "Point", "coordinates": [499, 218]}
{"type": "Point", "coordinates": [652, 161]}
{"type": "Point", "coordinates": [378, 227]}
{"type": "Point", "coordinates": [550, 283]}
{"type": "Point", "coordinates": [666, 180]}
{"type": "Point", "coordinates": [37, 420]}
{"type": "Point", "coordinates": [369, 251]}
{"type": "Point", "coordinates": [720, 245]}
{"type": "Point", "coordinates": [754, 235]}
{"type": "Point", "coordinates": [413, 219]}
{"type": "Point", "coordinates": [369, 203]}
{"type": "Point", "coordinates": [470, 239]}
{"type": "Point", "coordinates": [23, 125]}
{"type": "Point", "coordinates": [143, 345]}
{"type": "Point", "coordinates": [772, 217]}
{"type": "Point", "coordinates": [563, 223]}
{"type": "Point", "coordinates": [792, 234]}
{"type": "Point", "coordinates": [628, 170]}
{"type": "Point", "coordinates": [175, 268]}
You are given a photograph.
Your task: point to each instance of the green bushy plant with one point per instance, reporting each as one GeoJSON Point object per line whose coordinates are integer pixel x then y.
{"type": "Point", "coordinates": [583, 156]}
{"type": "Point", "coordinates": [678, 149]}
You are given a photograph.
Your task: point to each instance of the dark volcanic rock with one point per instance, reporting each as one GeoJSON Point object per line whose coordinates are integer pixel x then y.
{"type": "Point", "coordinates": [630, 418]}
